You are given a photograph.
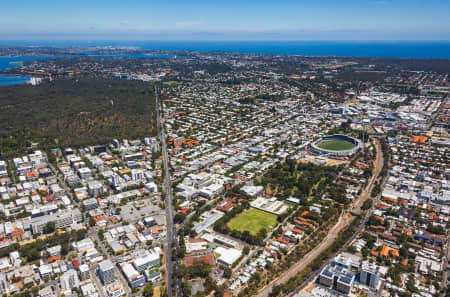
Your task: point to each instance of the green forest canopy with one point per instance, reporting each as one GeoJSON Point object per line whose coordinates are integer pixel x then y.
{"type": "Point", "coordinates": [74, 113]}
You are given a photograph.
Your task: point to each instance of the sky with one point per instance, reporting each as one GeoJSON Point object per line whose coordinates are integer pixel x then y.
{"type": "Point", "coordinates": [225, 20]}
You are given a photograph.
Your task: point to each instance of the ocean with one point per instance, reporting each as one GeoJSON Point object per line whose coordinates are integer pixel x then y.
{"type": "Point", "coordinates": [8, 80]}
{"type": "Point", "coordinates": [382, 49]}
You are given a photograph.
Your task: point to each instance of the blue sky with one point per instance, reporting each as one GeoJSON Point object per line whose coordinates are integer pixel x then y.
{"type": "Point", "coordinates": [229, 19]}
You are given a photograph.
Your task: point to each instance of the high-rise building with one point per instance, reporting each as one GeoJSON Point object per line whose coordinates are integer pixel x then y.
{"type": "Point", "coordinates": [116, 143]}
{"type": "Point", "coordinates": [106, 272]}
{"type": "Point", "coordinates": [3, 170]}
{"type": "Point", "coordinates": [84, 272]}
{"type": "Point", "coordinates": [370, 274]}
{"type": "Point", "coordinates": [137, 174]}
{"type": "Point", "coordinates": [69, 280]}
{"type": "Point", "coordinates": [337, 277]}
{"type": "Point", "coordinates": [95, 188]}
{"type": "Point", "coordinates": [117, 181]}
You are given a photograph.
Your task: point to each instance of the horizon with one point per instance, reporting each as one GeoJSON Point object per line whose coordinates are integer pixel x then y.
{"type": "Point", "coordinates": [431, 49]}
{"type": "Point", "coordinates": [228, 40]}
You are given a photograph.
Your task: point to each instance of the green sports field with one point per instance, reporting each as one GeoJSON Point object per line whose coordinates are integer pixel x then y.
{"type": "Point", "coordinates": [170, 83]}
{"type": "Point", "coordinates": [336, 145]}
{"type": "Point", "coordinates": [253, 221]}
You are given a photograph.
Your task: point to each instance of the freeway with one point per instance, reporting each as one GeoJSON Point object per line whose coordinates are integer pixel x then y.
{"type": "Point", "coordinates": [171, 236]}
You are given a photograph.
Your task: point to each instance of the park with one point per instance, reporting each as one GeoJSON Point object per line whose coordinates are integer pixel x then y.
{"type": "Point", "coordinates": [253, 221]}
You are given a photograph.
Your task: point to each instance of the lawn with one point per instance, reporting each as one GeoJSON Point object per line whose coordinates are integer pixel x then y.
{"type": "Point", "coordinates": [336, 145]}
{"type": "Point", "coordinates": [253, 221]}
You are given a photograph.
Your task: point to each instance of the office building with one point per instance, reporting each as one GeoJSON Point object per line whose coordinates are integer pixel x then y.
{"type": "Point", "coordinates": [69, 280]}
{"type": "Point", "coordinates": [95, 188]}
{"type": "Point", "coordinates": [84, 173]}
{"type": "Point", "coordinates": [106, 272]}
{"type": "Point", "coordinates": [134, 278]}
{"type": "Point", "coordinates": [337, 278]}
{"type": "Point", "coordinates": [117, 181]}
{"type": "Point", "coordinates": [150, 260]}
{"type": "Point", "coordinates": [84, 272]}
{"type": "Point", "coordinates": [61, 219]}
{"type": "Point", "coordinates": [90, 204]}
{"type": "Point", "coordinates": [137, 174]}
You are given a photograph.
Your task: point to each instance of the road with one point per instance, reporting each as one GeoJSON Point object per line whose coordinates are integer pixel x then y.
{"type": "Point", "coordinates": [343, 221]}
{"type": "Point", "coordinates": [445, 262]}
{"type": "Point", "coordinates": [378, 166]}
{"type": "Point", "coordinates": [171, 237]}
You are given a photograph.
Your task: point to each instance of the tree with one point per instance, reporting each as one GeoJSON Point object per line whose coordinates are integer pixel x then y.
{"type": "Point", "coordinates": [101, 233]}
{"type": "Point", "coordinates": [148, 290]}
{"type": "Point", "coordinates": [246, 250]}
{"type": "Point", "coordinates": [227, 272]}
{"type": "Point", "coordinates": [35, 291]}
{"type": "Point", "coordinates": [367, 204]}
{"type": "Point", "coordinates": [410, 284]}
{"type": "Point", "coordinates": [199, 268]}
{"type": "Point", "coordinates": [187, 289]}
{"type": "Point", "coordinates": [49, 228]}
{"type": "Point", "coordinates": [179, 217]}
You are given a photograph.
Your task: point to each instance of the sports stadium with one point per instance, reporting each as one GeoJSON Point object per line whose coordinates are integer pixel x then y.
{"type": "Point", "coordinates": [336, 145]}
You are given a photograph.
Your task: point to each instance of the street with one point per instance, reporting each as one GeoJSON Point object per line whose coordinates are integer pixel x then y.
{"type": "Point", "coordinates": [171, 236]}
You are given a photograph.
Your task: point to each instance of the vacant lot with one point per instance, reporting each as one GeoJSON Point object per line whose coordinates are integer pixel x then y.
{"type": "Point", "coordinates": [253, 221]}
{"type": "Point", "coordinates": [336, 145]}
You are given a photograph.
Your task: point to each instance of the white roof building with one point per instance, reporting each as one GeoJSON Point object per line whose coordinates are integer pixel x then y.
{"type": "Point", "coordinates": [227, 256]}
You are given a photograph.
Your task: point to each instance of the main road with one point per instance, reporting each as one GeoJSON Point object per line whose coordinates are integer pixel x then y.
{"type": "Point", "coordinates": [171, 236]}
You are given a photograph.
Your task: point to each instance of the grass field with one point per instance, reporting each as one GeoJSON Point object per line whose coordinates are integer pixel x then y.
{"type": "Point", "coordinates": [336, 145]}
{"type": "Point", "coordinates": [170, 83]}
{"type": "Point", "coordinates": [253, 221]}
